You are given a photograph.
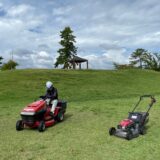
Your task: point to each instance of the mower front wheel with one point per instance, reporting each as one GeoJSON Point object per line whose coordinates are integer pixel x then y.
{"type": "Point", "coordinates": [112, 131]}
{"type": "Point", "coordinates": [41, 126]}
{"type": "Point", "coordinates": [19, 125]}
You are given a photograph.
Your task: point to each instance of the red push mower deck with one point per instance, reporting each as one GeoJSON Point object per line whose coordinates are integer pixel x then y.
{"type": "Point", "coordinates": [135, 124]}
{"type": "Point", "coordinates": [38, 115]}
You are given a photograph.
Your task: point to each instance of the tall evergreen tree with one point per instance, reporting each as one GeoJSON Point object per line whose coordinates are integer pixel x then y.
{"type": "Point", "coordinates": [68, 49]}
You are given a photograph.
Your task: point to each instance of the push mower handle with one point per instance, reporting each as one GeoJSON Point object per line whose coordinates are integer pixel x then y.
{"type": "Point", "coordinates": [153, 100]}
{"type": "Point", "coordinates": [144, 96]}
{"type": "Point", "coordinates": [147, 96]}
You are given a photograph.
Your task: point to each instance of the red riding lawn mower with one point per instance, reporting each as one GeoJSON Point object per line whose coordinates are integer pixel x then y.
{"type": "Point", "coordinates": [38, 115]}
{"type": "Point", "coordinates": [135, 124]}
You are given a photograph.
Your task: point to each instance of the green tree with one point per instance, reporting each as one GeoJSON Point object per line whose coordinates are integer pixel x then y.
{"type": "Point", "coordinates": [138, 57]}
{"type": "Point", "coordinates": [152, 61]}
{"type": "Point", "coordinates": [68, 49]}
{"type": "Point", "coordinates": [9, 65]}
{"type": "Point", "coordinates": [122, 66]}
{"type": "Point", "coordinates": [1, 58]}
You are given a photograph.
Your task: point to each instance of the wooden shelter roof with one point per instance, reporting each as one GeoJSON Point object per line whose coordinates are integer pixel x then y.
{"type": "Point", "coordinates": [77, 59]}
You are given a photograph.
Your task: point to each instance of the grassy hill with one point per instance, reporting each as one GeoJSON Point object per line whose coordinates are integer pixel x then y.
{"type": "Point", "coordinates": [96, 99]}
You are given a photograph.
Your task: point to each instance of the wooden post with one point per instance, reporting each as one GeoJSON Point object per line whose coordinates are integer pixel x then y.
{"type": "Point", "coordinates": [79, 65]}
{"type": "Point", "coordinates": [87, 64]}
{"type": "Point", "coordinates": [74, 65]}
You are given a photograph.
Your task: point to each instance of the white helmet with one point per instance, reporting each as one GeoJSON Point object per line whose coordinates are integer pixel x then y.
{"type": "Point", "coordinates": [49, 84]}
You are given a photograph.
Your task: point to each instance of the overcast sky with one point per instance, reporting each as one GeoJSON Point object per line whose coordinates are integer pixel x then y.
{"type": "Point", "coordinates": [106, 30]}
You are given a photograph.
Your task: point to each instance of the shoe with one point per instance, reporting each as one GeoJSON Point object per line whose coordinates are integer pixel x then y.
{"type": "Point", "coordinates": [51, 114]}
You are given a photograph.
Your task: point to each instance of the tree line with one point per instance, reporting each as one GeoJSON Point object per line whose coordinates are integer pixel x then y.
{"type": "Point", "coordinates": [142, 59]}
{"type": "Point", "coordinates": [9, 65]}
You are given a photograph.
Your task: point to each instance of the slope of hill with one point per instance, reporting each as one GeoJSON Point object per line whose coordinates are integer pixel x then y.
{"type": "Point", "coordinates": [96, 99]}
{"type": "Point", "coordinates": [79, 85]}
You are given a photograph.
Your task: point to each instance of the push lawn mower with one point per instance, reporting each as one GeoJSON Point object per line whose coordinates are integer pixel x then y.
{"type": "Point", "coordinates": [136, 122]}
{"type": "Point", "coordinates": [38, 115]}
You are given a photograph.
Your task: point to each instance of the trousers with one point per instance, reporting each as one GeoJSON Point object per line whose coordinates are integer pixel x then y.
{"type": "Point", "coordinates": [53, 102]}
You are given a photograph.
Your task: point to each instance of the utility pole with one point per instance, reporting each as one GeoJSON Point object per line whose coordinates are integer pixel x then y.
{"type": "Point", "coordinates": [11, 57]}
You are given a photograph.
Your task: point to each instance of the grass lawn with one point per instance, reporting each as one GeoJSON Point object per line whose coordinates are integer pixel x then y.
{"type": "Point", "coordinates": [97, 100]}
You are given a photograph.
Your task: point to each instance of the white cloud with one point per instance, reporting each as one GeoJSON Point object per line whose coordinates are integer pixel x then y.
{"type": "Point", "coordinates": [43, 55]}
{"type": "Point", "coordinates": [116, 55]}
{"type": "Point", "coordinates": [32, 59]}
{"type": "Point", "coordinates": [106, 59]}
{"type": "Point", "coordinates": [62, 11]}
{"type": "Point", "coordinates": [106, 31]}
{"type": "Point", "coordinates": [100, 61]}
{"type": "Point", "coordinates": [19, 10]}
{"type": "Point", "coordinates": [42, 60]}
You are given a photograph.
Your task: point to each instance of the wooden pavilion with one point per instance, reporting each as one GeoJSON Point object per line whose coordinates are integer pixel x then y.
{"type": "Point", "coordinates": [77, 61]}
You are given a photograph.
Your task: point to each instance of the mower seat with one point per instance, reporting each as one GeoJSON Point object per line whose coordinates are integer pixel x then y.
{"type": "Point", "coordinates": [62, 104]}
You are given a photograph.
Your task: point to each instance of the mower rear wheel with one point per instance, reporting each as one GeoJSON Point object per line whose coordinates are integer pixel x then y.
{"type": "Point", "coordinates": [60, 117]}
{"type": "Point", "coordinates": [41, 126]}
{"type": "Point", "coordinates": [112, 131]}
{"type": "Point", "coordinates": [19, 125]}
{"type": "Point", "coordinates": [142, 131]}
{"type": "Point", "coordinates": [129, 135]}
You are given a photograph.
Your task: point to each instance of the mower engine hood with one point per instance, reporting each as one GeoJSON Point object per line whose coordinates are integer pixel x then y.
{"type": "Point", "coordinates": [126, 122]}
{"type": "Point", "coordinates": [34, 107]}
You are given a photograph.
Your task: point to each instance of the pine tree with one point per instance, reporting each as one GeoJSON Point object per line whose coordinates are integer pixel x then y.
{"type": "Point", "coordinates": [68, 50]}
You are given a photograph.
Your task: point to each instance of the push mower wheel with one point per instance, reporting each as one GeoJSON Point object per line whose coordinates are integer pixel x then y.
{"type": "Point", "coordinates": [129, 135]}
{"type": "Point", "coordinates": [119, 127]}
{"type": "Point", "coordinates": [19, 125]}
{"type": "Point", "coordinates": [142, 131]}
{"type": "Point", "coordinates": [112, 131]}
{"type": "Point", "coordinates": [60, 117]}
{"type": "Point", "coordinates": [41, 126]}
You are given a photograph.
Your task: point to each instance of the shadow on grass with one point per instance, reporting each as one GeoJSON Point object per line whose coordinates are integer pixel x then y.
{"type": "Point", "coordinates": [67, 116]}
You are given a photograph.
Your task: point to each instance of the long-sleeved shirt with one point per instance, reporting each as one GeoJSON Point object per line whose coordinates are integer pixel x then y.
{"type": "Point", "coordinates": [52, 94]}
